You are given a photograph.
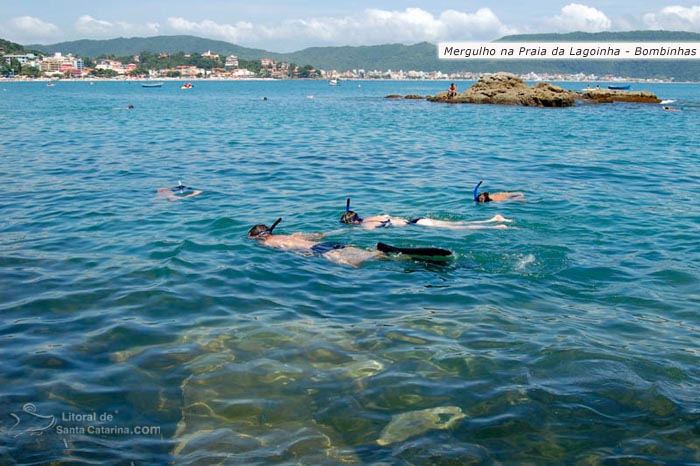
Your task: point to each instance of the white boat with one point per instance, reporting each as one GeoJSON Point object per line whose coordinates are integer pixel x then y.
{"type": "Point", "coordinates": [152, 84]}
{"type": "Point", "coordinates": [333, 82]}
{"type": "Point", "coordinates": [187, 86]}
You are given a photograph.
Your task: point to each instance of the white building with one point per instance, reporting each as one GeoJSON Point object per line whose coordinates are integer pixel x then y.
{"type": "Point", "coordinates": [57, 63]}
{"type": "Point", "coordinates": [231, 61]}
{"type": "Point", "coordinates": [22, 59]}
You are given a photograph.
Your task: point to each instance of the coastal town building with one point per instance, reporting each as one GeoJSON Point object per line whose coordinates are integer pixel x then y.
{"type": "Point", "coordinates": [59, 63]}
{"type": "Point", "coordinates": [208, 54]}
{"type": "Point", "coordinates": [116, 66]}
{"type": "Point", "coordinates": [231, 62]}
{"type": "Point", "coordinates": [24, 59]}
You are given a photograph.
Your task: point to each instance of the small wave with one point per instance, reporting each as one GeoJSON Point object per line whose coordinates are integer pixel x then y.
{"type": "Point", "coordinates": [525, 261]}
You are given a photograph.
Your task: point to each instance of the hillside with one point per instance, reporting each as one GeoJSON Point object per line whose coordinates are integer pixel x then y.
{"type": "Point", "coordinates": [122, 47]}
{"type": "Point", "coordinates": [422, 56]}
{"type": "Point", "coordinates": [7, 47]}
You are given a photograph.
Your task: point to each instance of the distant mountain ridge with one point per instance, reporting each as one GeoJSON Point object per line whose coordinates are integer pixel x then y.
{"type": "Point", "coordinates": [422, 56]}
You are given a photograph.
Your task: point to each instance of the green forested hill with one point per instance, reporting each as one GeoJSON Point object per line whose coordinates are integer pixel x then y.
{"type": "Point", "coordinates": [122, 47]}
{"type": "Point", "coordinates": [10, 48]}
{"type": "Point", "coordinates": [422, 56]}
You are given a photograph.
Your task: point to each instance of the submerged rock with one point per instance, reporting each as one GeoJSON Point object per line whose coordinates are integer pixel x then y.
{"type": "Point", "coordinates": [412, 423]}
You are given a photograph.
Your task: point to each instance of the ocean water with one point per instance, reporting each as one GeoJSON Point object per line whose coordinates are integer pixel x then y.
{"type": "Point", "coordinates": [140, 331]}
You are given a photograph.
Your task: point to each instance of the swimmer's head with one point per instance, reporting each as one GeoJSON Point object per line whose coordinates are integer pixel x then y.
{"type": "Point", "coordinates": [259, 231]}
{"type": "Point", "coordinates": [350, 218]}
{"type": "Point", "coordinates": [483, 197]}
{"type": "Point", "coordinates": [262, 231]}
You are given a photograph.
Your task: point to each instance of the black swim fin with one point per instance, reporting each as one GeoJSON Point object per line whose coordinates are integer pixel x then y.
{"type": "Point", "coordinates": [430, 252]}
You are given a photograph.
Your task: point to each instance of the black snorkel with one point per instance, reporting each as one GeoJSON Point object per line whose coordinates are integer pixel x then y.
{"type": "Point", "coordinates": [277, 222]}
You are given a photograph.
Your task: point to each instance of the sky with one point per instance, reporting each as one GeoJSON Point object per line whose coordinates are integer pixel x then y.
{"type": "Point", "coordinates": [285, 26]}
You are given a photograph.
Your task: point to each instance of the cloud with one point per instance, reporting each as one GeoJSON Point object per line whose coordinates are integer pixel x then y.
{"type": "Point", "coordinates": [231, 32]}
{"type": "Point", "coordinates": [373, 26]}
{"type": "Point", "coordinates": [29, 26]}
{"type": "Point", "coordinates": [676, 18]}
{"type": "Point", "coordinates": [88, 26]}
{"type": "Point", "coordinates": [577, 17]}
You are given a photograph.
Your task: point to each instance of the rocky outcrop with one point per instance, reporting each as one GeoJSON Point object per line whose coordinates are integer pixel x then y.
{"type": "Point", "coordinates": [408, 97]}
{"type": "Point", "coordinates": [508, 89]}
{"type": "Point", "coordinates": [609, 95]}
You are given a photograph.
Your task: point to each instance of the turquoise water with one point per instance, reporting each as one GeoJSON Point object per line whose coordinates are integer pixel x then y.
{"type": "Point", "coordinates": [144, 331]}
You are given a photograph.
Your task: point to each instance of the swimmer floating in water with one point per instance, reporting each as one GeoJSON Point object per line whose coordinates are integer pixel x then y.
{"type": "Point", "coordinates": [496, 197]}
{"type": "Point", "coordinates": [335, 252]}
{"type": "Point", "coordinates": [177, 193]}
{"type": "Point", "coordinates": [380, 221]}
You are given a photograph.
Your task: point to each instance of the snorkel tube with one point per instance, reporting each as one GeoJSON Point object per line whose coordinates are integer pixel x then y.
{"type": "Point", "coordinates": [180, 187]}
{"type": "Point", "coordinates": [476, 190]}
{"type": "Point", "coordinates": [277, 222]}
{"type": "Point", "coordinates": [349, 216]}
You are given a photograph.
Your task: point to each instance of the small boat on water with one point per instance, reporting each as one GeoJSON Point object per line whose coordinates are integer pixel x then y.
{"type": "Point", "coordinates": [187, 86]}
{"type": "Point", "coordinates": [151, 84]}
{"type": "Point", "coordinates": [50, 84]}
{"type": "Point", "coordinates": [619, 87]}
{"type": "Point", "coordinates": [333, 82]}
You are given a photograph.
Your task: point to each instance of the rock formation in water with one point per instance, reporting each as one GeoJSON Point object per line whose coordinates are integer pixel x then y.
{"type": "Point", "coordinates": [610, 95]}
{"type": "Point", "coordinates": [508, 89]}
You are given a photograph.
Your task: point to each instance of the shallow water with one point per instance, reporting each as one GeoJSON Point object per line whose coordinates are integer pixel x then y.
{"type": "Point", "coordinates": [569, 337]}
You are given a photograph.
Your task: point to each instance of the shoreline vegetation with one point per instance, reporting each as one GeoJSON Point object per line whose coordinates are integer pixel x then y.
{"type": "Point", "coordinates": [193, 58]}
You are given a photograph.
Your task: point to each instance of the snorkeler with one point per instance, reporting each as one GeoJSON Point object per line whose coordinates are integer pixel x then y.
{"type": "Point", "coordinates": [335, 252]}
{"type": "Point", "coordinates": [496, 197]}
{"type": "Point", "coordinates": [177, 193]}
{"type": "Point", "coordinates": [380, 221]}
